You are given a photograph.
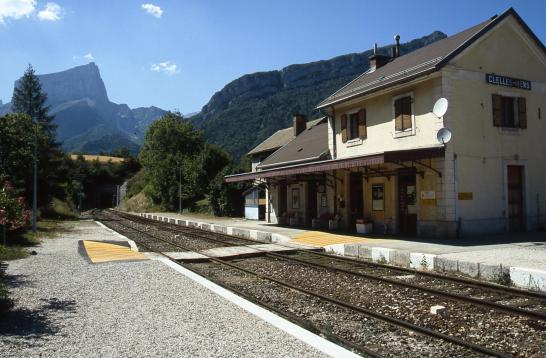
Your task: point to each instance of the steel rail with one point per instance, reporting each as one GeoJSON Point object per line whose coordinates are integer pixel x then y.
{"type": "Point", "coordinates": [310, 326]}
{"type": "Point", "coordinates": [365, 311]}
{"type": "Point", "coordinates": [467, 281]}
{"type": "Point", "coordinates": [449, 295]}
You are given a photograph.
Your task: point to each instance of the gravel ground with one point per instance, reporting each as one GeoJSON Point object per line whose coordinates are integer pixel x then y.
{"type": "Point", "coordinates": [68, 307]}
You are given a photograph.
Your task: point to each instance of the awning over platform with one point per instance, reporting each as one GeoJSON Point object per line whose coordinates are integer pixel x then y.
{"type": "Point", "coordinates": [333, 164]}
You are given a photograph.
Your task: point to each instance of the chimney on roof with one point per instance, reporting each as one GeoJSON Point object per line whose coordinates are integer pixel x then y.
{"type": "Point", "coordinates": [300, 123]}
{"type": "Point", "coordinates": [377, 60]}
{"type": "Point", "coordinates": [397, 47]}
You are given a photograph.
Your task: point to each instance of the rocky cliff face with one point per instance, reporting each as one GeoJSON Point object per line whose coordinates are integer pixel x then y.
{"type": "Point", "coordinates": [86, 119]}
{"type": "Point", "coordinates": [73, 84]}
{"type": "Point", "coordinates": [263, 102]}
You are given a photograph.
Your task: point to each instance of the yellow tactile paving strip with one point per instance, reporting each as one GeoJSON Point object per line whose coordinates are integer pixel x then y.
{"type": "Point", "coordinates": [320, 239]}
{"type": "Point", "coordinates": [98, 252]}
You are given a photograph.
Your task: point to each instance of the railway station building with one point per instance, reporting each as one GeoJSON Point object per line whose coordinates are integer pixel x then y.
{"type": "Point", "coordinates": [380, 160]}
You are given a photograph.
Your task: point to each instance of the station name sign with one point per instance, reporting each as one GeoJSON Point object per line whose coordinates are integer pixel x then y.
{"type": "Point", "coordinates": [507, 81]}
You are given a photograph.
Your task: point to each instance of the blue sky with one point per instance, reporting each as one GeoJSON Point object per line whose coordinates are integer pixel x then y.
{"type": "Point", "coordinates": [176, 54]}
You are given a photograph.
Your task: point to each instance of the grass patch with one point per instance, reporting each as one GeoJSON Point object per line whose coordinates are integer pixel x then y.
{"type": "Point", "coordinates": [17, 244]}
{"type": "Point", "coordinates": [60, 210]}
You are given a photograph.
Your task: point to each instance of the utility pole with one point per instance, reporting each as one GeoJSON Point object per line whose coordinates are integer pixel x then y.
{"type": "Point", "coordinates": [35, 179]}
{"type": "Point", "coordinates": [179, 189]}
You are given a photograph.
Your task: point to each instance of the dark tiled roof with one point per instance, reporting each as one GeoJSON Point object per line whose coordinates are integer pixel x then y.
{"type": "Point", "coordinates": [311, 144]}
{"type": "Point", "coordinates": [278, 139]}
{"type": "Point", "coordinates": [420, 62]}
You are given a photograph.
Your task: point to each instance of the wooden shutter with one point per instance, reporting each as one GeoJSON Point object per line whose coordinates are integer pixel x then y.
{"type": "Point", "coordinates": [344, 128]}
{"type": "Point", "coordinates": [362, 130]}
{"type": "Point", "coordinates": [497, 110]}
{"type": "Point", "coordinates": [398, 115]}
{"type": "Point", "coordinates": [406, 113]}
{"type": "Point", "coordinates": [522, 112]}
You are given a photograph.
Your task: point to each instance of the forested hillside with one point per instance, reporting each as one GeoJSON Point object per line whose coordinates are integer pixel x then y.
{"type": "Point", "coordinates": [249, 109]}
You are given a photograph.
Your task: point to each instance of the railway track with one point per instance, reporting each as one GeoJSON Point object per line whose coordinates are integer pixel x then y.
{"type": "Point", "coordinates": [311, 263]}
{"type": "Point", "coordinates": [478, 293]}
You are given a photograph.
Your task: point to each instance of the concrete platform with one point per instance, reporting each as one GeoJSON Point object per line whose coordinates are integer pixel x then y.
{"type": "Point", "coordinates": [518, 258]}
{"type": "Point", "coordinates": [232, 252]}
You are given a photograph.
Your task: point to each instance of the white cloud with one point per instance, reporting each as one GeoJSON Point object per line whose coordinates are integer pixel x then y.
{"type": "Point", "coordinates": [51, 12]}
{"type": "Point", "coordinates": [153, 10]}
{"type": "Point", "coordinates": [88, 57]}
{"type": "Point", "coordinates": [16, 9]}
{"type": "Point", "coordinates": [167, 67]}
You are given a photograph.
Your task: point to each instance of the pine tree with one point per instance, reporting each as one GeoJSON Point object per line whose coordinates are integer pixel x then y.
{"type": "Point", "coordinates": [28, 98]}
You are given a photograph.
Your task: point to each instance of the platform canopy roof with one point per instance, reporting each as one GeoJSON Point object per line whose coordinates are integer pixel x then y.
{"type": "Point", "coordinates": [345, 163]}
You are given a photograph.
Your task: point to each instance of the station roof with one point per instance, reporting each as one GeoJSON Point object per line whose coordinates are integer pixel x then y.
{"type": "Point", "coordinates": [309, 145]}
{"type": "Point", "coordinates": [278, 139]}
{"type": "Point", "coordinates": [419, 62]}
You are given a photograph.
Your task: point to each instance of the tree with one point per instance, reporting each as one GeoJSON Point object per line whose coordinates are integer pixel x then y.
{"type": "Point", "coordinates": [16, 146]}
{"type": "Point", "coordinates": [171, 149]}
{"type": "Point", "coordinates": [226, 199]}
{"type": "Point", "coordinates": [28, 98]}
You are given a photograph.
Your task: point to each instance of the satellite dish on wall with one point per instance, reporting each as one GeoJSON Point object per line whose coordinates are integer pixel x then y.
{"type": "Point", "coordinates": [440, 107]}
{"type": "Point", "coordinates": [444, 135]}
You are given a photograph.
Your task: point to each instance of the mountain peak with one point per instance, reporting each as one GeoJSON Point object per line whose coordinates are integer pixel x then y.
{"type": "Point", "coordinates": [73, 84]}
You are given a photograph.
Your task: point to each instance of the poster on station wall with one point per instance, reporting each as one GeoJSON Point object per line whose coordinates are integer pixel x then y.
{"type": "Point", "coordinates": [378, 197]}
{"type": "Point", "coordinates": [428, 197]}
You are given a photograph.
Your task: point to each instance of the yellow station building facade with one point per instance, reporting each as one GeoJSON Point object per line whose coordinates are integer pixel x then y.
{"type": "Point", "coordinates": [381, 160]}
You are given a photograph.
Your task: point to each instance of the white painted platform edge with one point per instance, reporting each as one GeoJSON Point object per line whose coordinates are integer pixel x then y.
{"type": "Point", "coordinates": [294, 330]}
{"type": "Point", "coordinates": [131, 242]}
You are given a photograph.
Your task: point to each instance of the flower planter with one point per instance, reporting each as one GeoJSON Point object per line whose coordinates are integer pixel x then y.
{"type": "Point", "coordinates": [332, 224]}
{"type": "Point", "coordinates": [364, 228]}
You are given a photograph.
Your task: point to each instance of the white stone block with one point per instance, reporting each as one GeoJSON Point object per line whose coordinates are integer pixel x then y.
{"type": "Point", "coordinates": [528, 278]}
{"type": "Point", "coordinates": [229, 230]}
{"type": "Point", "coordinates": [338, 249]}
{"type": "Point", "coordinates": [279, 238]}
{"type": "Point", "coordinates": [381, 254]}
{"type": "Point", "coordinates": [422, 261]}
{"type": "Point", "coordinates": [438, 309]}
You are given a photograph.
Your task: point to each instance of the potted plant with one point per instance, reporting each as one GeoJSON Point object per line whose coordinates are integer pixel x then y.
{"type": "Point", "coordinates": [364, 226]}
{"type": "Point", "coordinates": [316, 223]}
{"type": "Point", "coordinates": [333, 224]}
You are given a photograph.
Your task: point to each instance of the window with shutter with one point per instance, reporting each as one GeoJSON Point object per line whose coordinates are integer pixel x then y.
{"type": "Point", "coordinates": [402, 114]}
{"type": "Point", "coordinates": [497, 110]}
{"type": "Point", "coordinates": [509, 112]}
{"type": "Point", "coordinates": [362, 127]}
{"type": "Point", "coordinates": [353, 126]}
{"type": "Point", "coordinates": [522, 113]}
{"type": "Point", "coordinates": [343, 128]}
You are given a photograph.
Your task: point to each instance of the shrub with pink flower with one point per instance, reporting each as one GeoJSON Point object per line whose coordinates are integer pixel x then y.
{"type": "Point", "coordinates": [12, 209]}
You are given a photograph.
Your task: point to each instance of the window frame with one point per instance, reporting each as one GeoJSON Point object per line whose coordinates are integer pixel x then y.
{"type": "Point", "coordinates": [515, 108]}
{"type": "Point", "coordinates": [353, 140]}
{"type": "Point", "coordinates": [410, 131]}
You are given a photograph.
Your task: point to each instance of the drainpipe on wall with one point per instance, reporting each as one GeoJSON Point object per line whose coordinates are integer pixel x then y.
{"type": "Point", "coordinates": [456, 187]}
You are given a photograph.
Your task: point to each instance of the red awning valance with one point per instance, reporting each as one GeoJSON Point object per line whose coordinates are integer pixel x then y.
{"type": "Point", "coordinates": [386, 157]}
